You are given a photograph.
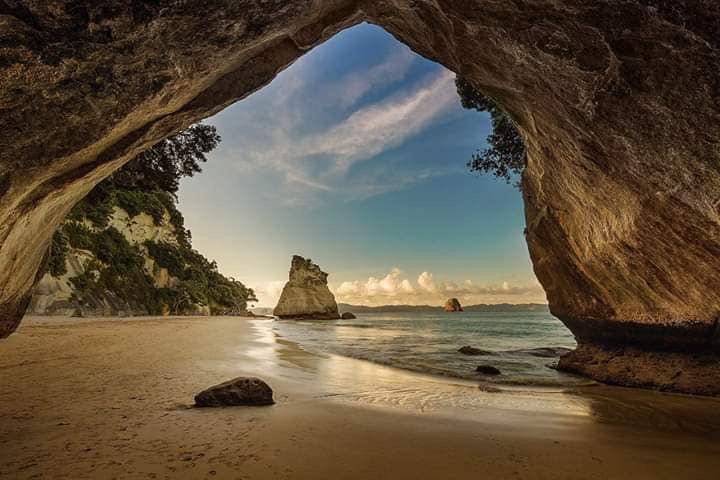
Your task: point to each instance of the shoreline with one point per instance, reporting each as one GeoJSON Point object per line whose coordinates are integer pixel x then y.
{"type": "Point", "coordinates": [487, 384]}
{"type": "Point", "coordinates": [97, 399]}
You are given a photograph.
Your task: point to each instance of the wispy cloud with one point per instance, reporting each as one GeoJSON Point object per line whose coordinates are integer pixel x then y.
{"type": "Point", "coordinates": [379, 127]}
{"type": "Point", "coordinates": [352, 87]}
{"type": "Point", "coordinates": [313, 162]}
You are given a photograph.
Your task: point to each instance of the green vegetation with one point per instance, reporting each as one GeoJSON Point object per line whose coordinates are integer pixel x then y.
{"type": "Point", "coordinates": [199, 280]}
{"type": "Point", "coordinates": [116, 274]}
{"type": "Point", "coordinates": [58, 254]}
{"type": "Point", "coordinates": [118, 270]}
{"type": "Point", "coordinates": [505, 156]}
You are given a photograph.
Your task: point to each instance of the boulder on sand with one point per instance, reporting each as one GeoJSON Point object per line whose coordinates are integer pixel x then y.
{"type": "Point", "coordinates": [488, 370]}
{"type": "Point", "coordinates": [348, 316]}
{"type": "Point", "coordinates": [306, 294]}
{"type": "Point", "coordinates": [249, 391]}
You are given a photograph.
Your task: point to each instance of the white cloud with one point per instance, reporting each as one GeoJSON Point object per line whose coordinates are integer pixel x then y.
{"type": "Point", "coordinates": [351, 88]}
{"type": "Point", "coordinates": [393, 289]}
{"type": "Point", "coordinates": [269, 293]}
{"type": "Point", "coordinates": [381, 126]}
{"type": "Point", "coordinates": [389, 286]}
{"type": "Point", "coordinates": [318, 162]}
{"type": "Point", "coordinates": [426, 282]}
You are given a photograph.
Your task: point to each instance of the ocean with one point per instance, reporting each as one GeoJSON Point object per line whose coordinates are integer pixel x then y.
{"type": "Point", "coordinates": [523, 345]}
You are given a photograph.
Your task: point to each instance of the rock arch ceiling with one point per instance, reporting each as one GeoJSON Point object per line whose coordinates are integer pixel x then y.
{"type": "Point", "coordinates": [618, 102]}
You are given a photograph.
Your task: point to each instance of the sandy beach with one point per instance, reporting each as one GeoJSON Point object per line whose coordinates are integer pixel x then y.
{"type": "Point", "coordinates": [93, 399]}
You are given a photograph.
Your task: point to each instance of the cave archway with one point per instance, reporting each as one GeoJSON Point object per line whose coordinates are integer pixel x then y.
{"type": "Point", "coordinates": [617, 102]}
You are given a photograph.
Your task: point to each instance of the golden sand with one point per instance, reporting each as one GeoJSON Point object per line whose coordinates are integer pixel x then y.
{"type": "Point", "coordinates": [112, 399]}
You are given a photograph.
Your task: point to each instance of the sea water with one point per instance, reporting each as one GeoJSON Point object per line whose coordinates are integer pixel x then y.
{"type": "Point", "coordinates": [524, 345]}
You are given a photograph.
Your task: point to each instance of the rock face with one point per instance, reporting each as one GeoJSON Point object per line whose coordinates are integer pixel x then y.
{"type": "Point", "coordinates": [488, 370]}
{"type": "Point", "coordinates": [453, 305]}
{"type": "Point", "coordinates": [306, 294]}
{"type": "Point", "coordinates": [617, 102]}
{"type": "Point", "coordinates": [59, 295]}
{"type": "Point", "coordinates": [249, 391]}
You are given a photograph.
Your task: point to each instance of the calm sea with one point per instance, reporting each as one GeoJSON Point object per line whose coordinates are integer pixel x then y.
{"type": "Point", "coordinates": [522, 345]}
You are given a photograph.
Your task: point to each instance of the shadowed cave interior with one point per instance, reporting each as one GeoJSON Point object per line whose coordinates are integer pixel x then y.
{"type": "Point", "coordinates": [619, 117]}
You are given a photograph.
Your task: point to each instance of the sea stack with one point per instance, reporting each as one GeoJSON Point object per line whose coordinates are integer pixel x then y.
{"type": "Point", "coordinates": [306, 294]}
{"type": "Point", "coordinates": [453, 305]}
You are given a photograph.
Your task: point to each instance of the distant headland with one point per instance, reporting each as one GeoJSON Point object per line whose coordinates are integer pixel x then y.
{"type": "Point", "coordinates": [482, 307]}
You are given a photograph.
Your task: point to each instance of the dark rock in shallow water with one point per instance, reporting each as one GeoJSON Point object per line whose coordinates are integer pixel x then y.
{"type": "Point", "coordinates": [348, 316]}
{"type": "Point", "coordinates": [468, 350]}
{"type": "Point", "coordinates": [547, 352]}
{"type": "Point", "coordinates": [239, 391]}
{"type": "Point", "coordinates": [453, 305]}
{"type": "Point", "coordinates": [487, 370]}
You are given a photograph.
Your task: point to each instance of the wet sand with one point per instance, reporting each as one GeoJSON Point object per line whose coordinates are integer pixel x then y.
{"type": "Point", "coordinates": [112, 399]}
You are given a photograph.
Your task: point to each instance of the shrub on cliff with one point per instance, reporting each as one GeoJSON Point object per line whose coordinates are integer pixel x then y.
{"type": "Point", "coordinates": [147, 184]}
{"type": "Point", "coordinates": [200, 281]}
{"type": "Point", "coordinates": [505, 156]}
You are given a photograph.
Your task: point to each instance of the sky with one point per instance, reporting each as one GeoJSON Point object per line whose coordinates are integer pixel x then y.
{"type": "Point", "coordinates": [355, 156]}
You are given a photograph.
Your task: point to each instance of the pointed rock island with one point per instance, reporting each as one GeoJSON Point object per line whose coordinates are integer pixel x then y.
{"type": "Point", "coordinates": [306, 294]}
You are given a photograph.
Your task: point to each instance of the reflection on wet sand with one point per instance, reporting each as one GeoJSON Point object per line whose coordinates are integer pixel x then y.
{"type": "Point", "coordinates": [112, 400]}
{"type": "Point", "coordinates": [371, 384]}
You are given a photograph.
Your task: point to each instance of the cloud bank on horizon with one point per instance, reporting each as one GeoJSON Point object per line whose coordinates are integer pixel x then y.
{"type": "Point", "coordinates": [395, 289]}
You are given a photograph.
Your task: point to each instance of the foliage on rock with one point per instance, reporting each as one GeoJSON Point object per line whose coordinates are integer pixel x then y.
{"type": "Point", "coordinates": [505, 156]}
{"type": "Point", "coordinates": [147, 184]}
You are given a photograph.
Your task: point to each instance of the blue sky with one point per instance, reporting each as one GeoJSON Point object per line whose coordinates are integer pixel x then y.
{"type": "Point", "coordinates": [355, 156]}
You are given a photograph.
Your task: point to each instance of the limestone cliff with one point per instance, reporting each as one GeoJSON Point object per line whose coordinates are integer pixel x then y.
{"type": "Point", "coordinates": [63, 294]}
{"type": "Point", "coordinates": [306, 294]}
{"type": "Point", "coordinates": [106, 261]}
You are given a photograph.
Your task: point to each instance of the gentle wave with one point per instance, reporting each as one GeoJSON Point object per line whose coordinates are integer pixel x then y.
{"type": "Point", "coordinates": [524, 346]}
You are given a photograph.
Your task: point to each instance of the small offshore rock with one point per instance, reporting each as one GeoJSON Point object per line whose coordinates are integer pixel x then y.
{"type": "Point", "coordinates": [348, 316]}
{"type": "Point", "coordinates": [249, 391]}
{"type": "Point", "coordinates": [453, 305]}
{"type": "Point", "coordinates": [468, 350]}
{"type": "Point", "coordinates": [488, 370]}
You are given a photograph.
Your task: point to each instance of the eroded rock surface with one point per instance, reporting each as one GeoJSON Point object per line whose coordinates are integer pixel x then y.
{"type": "Point", "coordinates": [60, 295]}
{"type": "Point", "coordinates": [241, 391]}
{"type": "Point", "coordinates": [618, 102]}
{"type": "Point", "coordinates": [306, 294]}
{"type": "Point", "coordinates": [487, 370]}
{"type": "Point", "coordinates": [453, 305]}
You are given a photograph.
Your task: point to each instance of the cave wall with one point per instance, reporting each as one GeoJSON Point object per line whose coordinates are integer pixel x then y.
{"type": "Point", "coordinates": [618, 101]}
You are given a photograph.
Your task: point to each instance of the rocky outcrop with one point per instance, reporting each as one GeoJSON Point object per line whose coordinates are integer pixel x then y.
{"type": "Point", "coordinates": [348, 316]}
{"type": "Point", "coordinates": [617, 102]}
{"type": "Point", "coordinates": [241, 391]}
{"type": "Point", "coordinates": [640, 367]}
{"type": "Point", "coordinates": [453, 305]}
{"type": "Point", "coordinates": [58, 295]}
{"type": "Point", "coordinates": [306, 294]}
{"type": "Point", "coordinates": [487, 370]}
{"type": "Point", "coordinates": [55, 295]}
